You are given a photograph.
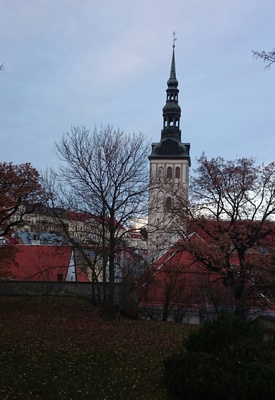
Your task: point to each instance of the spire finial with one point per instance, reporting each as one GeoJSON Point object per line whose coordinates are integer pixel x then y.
{"type": "Point", "coordinates": [174, 39]}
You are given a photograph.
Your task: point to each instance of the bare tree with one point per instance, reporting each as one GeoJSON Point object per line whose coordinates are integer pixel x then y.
{"type": "Point", "coordinates": [269, 57]}
{"type": "Point", "coordinates": [104, 173]}
{"type": "Point", "coordinates": [174, 292]}
{"type": "Point", "coordinates": [232, 208]}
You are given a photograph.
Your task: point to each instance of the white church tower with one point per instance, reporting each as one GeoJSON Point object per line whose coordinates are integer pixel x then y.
{"type": "Point", "coordinates": [169, 173]}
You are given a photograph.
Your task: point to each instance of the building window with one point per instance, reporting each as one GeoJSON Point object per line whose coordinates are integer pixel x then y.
{"type": "Point", "coordinates": [178, 172]}
{"type": "Point", "coordinates": [160, 172]}
{"type": "Point", "coordinates": [169, 172]}
{"type": "Point", "coordinates": [168, 203]}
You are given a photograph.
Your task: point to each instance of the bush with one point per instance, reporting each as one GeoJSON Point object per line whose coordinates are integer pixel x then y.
{"type": "Point", "coordinates": [226, 359]}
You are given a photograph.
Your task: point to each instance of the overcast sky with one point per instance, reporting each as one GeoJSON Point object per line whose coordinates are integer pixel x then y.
{"type": "Point", "coordinates": [99, 62]}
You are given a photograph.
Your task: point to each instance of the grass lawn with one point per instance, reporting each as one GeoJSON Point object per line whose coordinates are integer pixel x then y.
{"type": "Point", "coordinates": [64, 348]}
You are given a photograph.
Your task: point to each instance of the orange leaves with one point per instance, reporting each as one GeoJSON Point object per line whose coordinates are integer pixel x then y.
{"type": "Point", "coordinates": [19, 184]}
{"type": "Point", "coordinates": [84, 355]}
{"type": "Point", "coordinates": [20, 188]}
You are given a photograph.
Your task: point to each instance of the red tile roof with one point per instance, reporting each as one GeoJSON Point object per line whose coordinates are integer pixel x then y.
{"type": "Point", "coordinates": [177, 277]}
{"type": "Point", "coordinates": [40, 263]}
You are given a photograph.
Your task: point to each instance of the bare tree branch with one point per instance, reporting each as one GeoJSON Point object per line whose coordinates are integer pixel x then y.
{"type": "Point", "coordinates": [103, 174]}
{"type": "Point", "coordinates": [269, 57]}
{"type": "Point", "coordinates": [232, 209]}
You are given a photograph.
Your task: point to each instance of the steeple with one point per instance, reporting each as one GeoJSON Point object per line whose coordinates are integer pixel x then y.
{"type": "Point", "coordinates": [170, 144]}
{"type": "Point", "coordinates": [169, 173]}
{"type": "Point", "coordinates": [171, 111]}
{"type": "Point", "coordinates": [173, 79]}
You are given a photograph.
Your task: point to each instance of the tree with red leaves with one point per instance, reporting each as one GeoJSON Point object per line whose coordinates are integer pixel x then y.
{"type": "Point", "coordinates": [20, 193]}
{"type": "Point", "coordinates": [232, 209]}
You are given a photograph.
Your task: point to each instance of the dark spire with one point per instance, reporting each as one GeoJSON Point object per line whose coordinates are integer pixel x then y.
{"type": "Point", "coordinates": [170, 144]}
{"type": "Point", "coordinates": [171, 111]}
{"type": "Point", "coordinates": [173, 79]}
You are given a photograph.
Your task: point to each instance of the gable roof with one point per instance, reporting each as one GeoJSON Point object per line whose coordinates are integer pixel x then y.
{"type": "Point", "coordinates": [42, 263]}
{"type": "Point", "coordinates": [179, 279]}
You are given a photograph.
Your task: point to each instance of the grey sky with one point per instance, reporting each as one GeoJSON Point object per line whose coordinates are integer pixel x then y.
{"type": "Point", "coordinates": [99, 62]}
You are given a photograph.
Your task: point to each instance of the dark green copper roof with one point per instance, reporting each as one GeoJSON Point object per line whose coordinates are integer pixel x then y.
{"type": "Point", "coordinates": [172, 81]}
{"type": "Point", "coordinates": [170, 145]}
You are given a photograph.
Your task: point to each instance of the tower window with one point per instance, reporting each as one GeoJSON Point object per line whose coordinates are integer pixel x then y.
{"type": "Point", "coordinates": [168, 203]}
{"type": "Point", "coordinates": [160, 173]}
{"type": "Point", "coordinates": [169, 172]}
{"type": "Point", "coordinates": [178, 172]}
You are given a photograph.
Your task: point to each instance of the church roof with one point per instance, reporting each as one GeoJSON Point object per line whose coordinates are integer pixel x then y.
{"type": "Point", "coordinates": [170, 145]}
{"type": "Point", "coordinates": [170, 148]}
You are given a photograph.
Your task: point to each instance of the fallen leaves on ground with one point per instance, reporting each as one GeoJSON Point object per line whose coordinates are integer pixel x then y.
{"type": "Point", "coordinates": [62, 348]}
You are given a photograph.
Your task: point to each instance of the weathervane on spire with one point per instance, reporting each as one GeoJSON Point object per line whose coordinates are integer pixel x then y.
{"type": "Point", "coordinates": [174, 39]}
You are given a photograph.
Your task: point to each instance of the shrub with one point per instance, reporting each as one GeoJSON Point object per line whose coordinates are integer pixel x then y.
{"type": "Point", "coordinates": [226, 359]}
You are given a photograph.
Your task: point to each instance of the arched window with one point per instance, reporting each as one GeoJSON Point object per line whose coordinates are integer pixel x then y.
{"type": "Point", "coordinates": [160, 172]}
{"type": "Point", "coordinates": [178, 172]}
{"type": "Point", "coordinates": [168, 203]}
{"type": "Point", "coordinates": [169, 172]}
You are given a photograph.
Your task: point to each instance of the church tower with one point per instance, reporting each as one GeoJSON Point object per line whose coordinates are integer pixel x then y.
{"type": "Point", "coordinates": [169, 173]}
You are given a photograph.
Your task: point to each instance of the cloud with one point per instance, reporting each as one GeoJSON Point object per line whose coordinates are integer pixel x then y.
{"type": "Point", "coordinates": [92, 62]}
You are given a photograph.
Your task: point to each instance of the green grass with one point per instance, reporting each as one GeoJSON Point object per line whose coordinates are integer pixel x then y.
{"type": "Point", "coordinates": [65, 348]}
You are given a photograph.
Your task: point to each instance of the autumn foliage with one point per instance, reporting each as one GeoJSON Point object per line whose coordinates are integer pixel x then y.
{"type": "Point", "coordinates": [231, 209]}
{"type": "Point", "coordinates": [58, 348]}
{"type": "Point", "coordinates": [20, 192]}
